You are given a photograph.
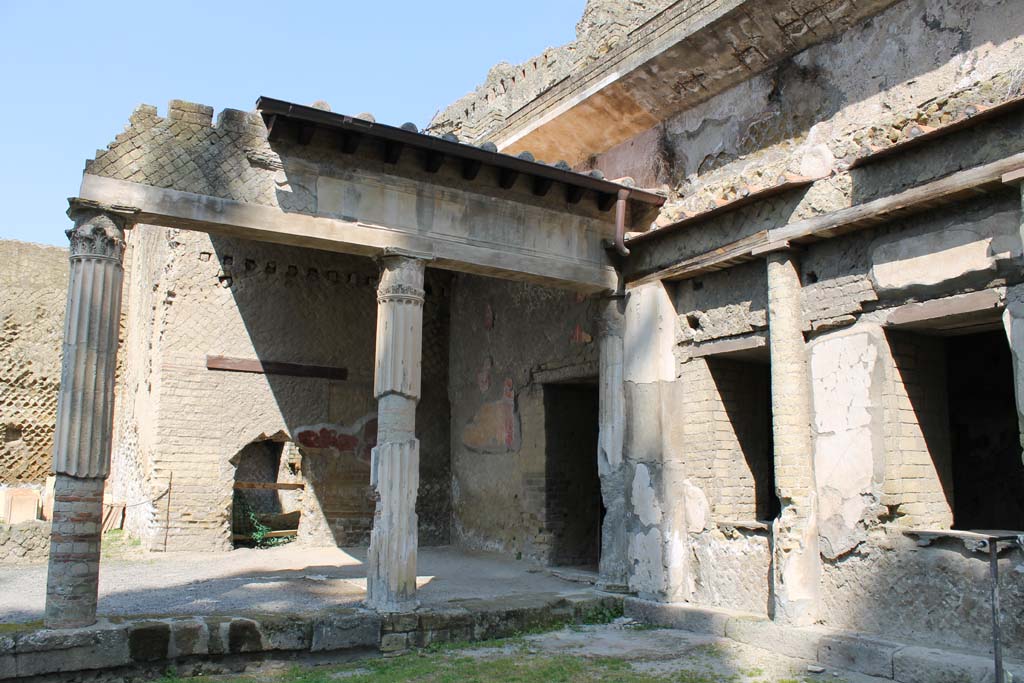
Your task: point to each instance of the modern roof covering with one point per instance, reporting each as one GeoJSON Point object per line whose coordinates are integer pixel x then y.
{"type": "Point", "coordinates": [303, 121]}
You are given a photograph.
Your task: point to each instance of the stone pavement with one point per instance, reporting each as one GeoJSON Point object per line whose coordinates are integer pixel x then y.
{"type": "Point", "coordinates": [283, 579]}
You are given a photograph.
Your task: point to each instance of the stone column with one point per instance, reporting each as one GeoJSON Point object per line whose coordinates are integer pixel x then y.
{"type": "Point", "coordinates": [81, 449]}
{"type": "Point", "coordinates": [614, 563]}
{"type": "Point", "coordinates": [796, 564]}
{"type": "Point", "coordinates": [395, 465]}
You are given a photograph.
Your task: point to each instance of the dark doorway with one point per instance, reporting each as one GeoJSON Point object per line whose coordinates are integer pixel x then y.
{"type": "Point", "coordinates": [257, 463]}
{"type": "Point", "coordinates": [744, 387]}
{"type": "Point", "coordinates": [574, 510]}
{"type": "Point", "coordinates": [988, 475]}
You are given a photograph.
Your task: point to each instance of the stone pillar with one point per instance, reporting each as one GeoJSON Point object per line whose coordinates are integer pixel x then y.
{"type": "Point", "coordinates": [614, 564]}
{"type": "Point", "coordinates": [796, 564]}
{"type": "Point", "coordinates": [1013, 322]}
{"type": "Point", "coordinates": [395, 465]}
{"type": "Point", "coordinates": [85, 404]}
{"type": "Point", "coordinates": [655, 507]}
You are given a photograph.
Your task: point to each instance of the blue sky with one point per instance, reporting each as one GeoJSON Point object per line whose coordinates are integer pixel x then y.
{"type": "Point", "coordinates": [74, 71]}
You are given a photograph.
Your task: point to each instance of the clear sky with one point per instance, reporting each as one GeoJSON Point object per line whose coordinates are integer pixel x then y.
{"type": "Point", "coordinates": [74, 71]}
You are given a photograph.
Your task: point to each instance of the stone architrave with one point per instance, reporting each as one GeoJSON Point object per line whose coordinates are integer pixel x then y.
{"type": "Point", "coordinates": [796, 565]}
{"type": "Point", "coordinates": [81, 451]}
{"type": "Point", "coordinates": [394, 474]}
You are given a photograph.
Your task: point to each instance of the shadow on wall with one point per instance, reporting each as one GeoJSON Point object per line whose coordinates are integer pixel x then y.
{"type": "Point", "coordinates": [954, 462]}
{"type": "Point", "coordinates": [316, 308]}
{"type": "Point", "coordinates": [745, 388]}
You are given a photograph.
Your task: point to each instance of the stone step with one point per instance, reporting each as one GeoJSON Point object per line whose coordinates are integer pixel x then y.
{"type": "Point", "coordinates": [122, 645]}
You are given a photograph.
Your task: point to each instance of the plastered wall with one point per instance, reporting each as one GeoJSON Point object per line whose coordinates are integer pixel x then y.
{"type": "Point", "coordinates": [508, 339]}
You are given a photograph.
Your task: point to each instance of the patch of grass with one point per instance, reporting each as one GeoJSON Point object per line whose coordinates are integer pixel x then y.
{"type": "Point", "coordinates": [453, 667]}
{"type": "Point", "coordinates": [602, 614]}
{"type": "Point", "coordinates": [512, 669]}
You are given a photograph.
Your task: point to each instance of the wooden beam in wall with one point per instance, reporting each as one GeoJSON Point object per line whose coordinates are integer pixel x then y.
{"type": "Point", "coordinates": [269, 367]}
{"type": "Point", "coordinates": [268, 486]}
{"type": "Point", "coordinates": [717, 259]}
{"type": "Point", "coordinates": [956, 186]}
{"type": "Point", "coordinates": [959, 185]}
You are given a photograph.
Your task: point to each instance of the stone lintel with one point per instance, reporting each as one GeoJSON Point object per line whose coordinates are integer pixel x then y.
{"type": "Point", "coordinates": [230, 218]}
{"type": "Point", "coordinates": [983, 307]}
{"type": "Point", "coordinates": [754, 346]}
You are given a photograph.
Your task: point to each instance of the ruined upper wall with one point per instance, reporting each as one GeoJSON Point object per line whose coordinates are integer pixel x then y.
{"type": "Point", "coordinates": [604, 26]}
{"type": "Point", "coordinates": [681, 55]}
{"type": "Point", "coordinates": [32, 285]}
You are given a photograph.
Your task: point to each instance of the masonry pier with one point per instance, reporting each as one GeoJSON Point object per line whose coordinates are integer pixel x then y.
{"type": "Point", "coordinates": [796, 566]}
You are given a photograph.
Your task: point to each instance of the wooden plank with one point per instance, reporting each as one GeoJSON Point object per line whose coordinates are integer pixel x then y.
{"type": "Point", "coordinates": [785, 184]}
{"type": "Point", "coordinates": [751, 345]}
{"type": "Point", "coordinates": [283, 533]}
{"type": "Point", "coordinates": [712, 260]}
{"type": "Point", "coordinates": [970, 182]}
{"type": "Point", "coordinates": [270, 367]}
{"type": "Point", "coordinates": [950, 312]}
{"type": "Point", "coordinates": [937, 192]}
{"type": "Point", "coordinates": [1014, 176]}
{"type": "Point", "coordinates": [268, 485]}
{"type": "Point", "coordinates": [113, 517]}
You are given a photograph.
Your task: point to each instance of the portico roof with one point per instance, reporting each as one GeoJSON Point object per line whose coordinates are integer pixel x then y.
{"type": "Point", "coordinates": [296, 122]}
{"type": "Point", "coordinates": [303, 176]}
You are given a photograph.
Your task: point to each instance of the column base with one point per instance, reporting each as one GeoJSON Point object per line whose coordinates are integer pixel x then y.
{"type": "Point", "coordinates": [72, 580]}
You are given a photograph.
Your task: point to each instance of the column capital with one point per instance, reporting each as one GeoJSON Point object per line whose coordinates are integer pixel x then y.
{"type": "Point", "coordinates": [401, 276]}
{"type": "Point", "coordinates": [99, 228]}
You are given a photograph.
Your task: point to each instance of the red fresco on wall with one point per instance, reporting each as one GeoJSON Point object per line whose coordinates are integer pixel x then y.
{"type": "Point", "coordinates": [359, 439]}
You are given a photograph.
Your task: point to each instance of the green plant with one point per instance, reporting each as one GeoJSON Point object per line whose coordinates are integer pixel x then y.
{"type": "Point", "coordinates": [260, 532]}
{"type": "Point", "coordinates": [602, 614]}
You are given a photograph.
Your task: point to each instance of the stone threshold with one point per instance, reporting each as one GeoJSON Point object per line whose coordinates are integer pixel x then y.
{"type": "Point", "coordinates": [147, 646]}
{"type": "Point", "coordinates": [830, 648]}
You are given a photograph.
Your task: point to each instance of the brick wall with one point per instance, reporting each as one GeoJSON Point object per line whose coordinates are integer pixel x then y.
{"type": "Point", "coordinates": [180, 424]}
{"type": "Point", "coordinates": [33, 282]}
{"type": "Point", "coordinates": [918, 470]}
{"type": "Point", "coordinates": [728, 436]}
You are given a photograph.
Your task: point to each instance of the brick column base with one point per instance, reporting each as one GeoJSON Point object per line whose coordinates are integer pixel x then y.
{"type": "Point", "coordinates": [74, 552]}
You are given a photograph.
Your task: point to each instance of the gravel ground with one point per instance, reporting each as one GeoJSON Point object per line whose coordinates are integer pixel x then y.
{"type": "Point", "coordinates": [283, 579]}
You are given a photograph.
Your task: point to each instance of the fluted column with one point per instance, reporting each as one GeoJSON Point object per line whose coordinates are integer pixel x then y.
{"type": "Point", "coordinates": [395, 465]}
{"type": "Point", "coordinates": [796, 564]}
{"type": "Point", "coordinates": [81, 450]}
